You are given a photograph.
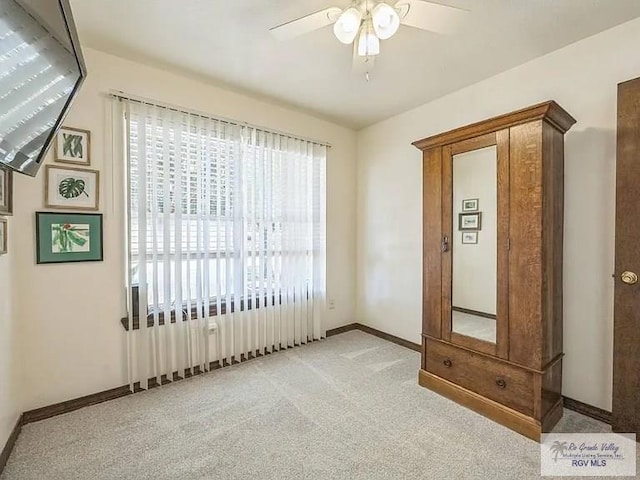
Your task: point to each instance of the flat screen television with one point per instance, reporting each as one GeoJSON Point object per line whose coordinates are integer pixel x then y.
{"type": "Point", "coordinates": [41, 70]}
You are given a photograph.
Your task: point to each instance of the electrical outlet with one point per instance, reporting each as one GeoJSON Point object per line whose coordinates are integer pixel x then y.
{"type": "Point", "coordinates": [331, 304]}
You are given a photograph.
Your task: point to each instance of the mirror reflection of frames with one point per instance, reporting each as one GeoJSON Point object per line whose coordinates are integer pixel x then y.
{"type": "Point", "coordinates": [469, 238]}
{"type": "Point", "coordinates": [474, 256]}
{"type": "Point", "coordinates": [470, 221]}
{"type": "Point", "coordinates": [470, 205]}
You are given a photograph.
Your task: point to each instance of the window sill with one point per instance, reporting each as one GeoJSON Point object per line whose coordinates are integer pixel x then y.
{"type": "Point", "coordinates": [213, 312]}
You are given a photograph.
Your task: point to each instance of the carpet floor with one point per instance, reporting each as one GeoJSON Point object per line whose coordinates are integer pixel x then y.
{"type": "Point", "coordinates": [348, 407]}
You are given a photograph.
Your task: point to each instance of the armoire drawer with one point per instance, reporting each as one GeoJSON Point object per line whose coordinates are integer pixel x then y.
{"type": "Point", "coordinates": [501, 382]}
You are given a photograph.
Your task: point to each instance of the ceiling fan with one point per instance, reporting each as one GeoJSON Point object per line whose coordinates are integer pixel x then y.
{"type": "Point", "coordinates": [365, 22]}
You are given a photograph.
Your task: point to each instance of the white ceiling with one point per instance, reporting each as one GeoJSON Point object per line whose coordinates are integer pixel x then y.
{"type": "Point", "coordinates": [228, 42]}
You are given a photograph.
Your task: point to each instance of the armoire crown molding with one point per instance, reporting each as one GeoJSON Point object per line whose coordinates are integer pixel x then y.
{"type": "Point", "coordinates": [549, 111]}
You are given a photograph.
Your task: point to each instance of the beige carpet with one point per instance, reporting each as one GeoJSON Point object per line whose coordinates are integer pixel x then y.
{"type": "Point", "coordinates": [345, 408]}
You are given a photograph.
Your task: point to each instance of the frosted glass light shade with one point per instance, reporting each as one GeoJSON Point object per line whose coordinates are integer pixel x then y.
{"type": "Point", "coordinates": [347, 26]}
{"type": "Point", "coordinates": [368, 43]}
{"type": "Point", "coordinates": [386, 21]}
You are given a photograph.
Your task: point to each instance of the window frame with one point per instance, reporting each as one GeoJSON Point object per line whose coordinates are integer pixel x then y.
{"type": "Point", "coordinates": [190, 309]}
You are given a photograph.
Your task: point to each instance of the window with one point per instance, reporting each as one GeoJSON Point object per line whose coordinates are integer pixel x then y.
{"type": "Point", "coordinates": [220, 212]}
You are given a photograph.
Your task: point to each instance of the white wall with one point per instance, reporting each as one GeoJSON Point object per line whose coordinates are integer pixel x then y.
{"type": "Point", "coordinates": [10, 373]}
{"type": "Point", "coordinates": [73, 343]}
{"type": "Point", "coordinates": [582, 78]}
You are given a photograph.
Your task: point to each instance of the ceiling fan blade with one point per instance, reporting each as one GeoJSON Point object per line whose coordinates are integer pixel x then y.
{"type": "Point", "coordinates": [430, 16]}
{"type": "Point", "coordinates": [306, 24]}
{"type": "Point", "coordinates": [362, 65]}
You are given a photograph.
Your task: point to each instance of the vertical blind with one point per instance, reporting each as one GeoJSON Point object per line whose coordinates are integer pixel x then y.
{"type": "Point", "coordinates": [226, 241]}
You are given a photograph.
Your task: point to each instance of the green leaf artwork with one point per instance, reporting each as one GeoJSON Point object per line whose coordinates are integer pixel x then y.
{"type": "Point", "coordinates": [70, 237]}
{"type": "Point", "coordinates": [72, 145]}
{"type": "Point", "coordinates": [72, 188]}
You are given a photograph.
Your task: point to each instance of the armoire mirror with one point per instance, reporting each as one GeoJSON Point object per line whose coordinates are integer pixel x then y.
{"type": "Point", "coordinates": [474, 244]}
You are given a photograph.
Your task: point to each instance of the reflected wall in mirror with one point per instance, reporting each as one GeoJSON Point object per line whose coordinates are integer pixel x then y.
{"type": "Point", "coordinates": [474, 260]}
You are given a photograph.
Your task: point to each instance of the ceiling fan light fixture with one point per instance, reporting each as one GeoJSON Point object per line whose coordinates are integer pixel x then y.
{"type": "Point", "coordinates": [346, 27]}
{"type": "Point", "coordinates": [368, 42]}
{"type": "Point", "coordinates": [386, 21]}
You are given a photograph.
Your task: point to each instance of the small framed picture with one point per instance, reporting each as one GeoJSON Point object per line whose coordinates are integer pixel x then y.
{"type": "Point", "coordinates": [470, 205]}
{"type": "Point", "coordinates": [72, 188]}
{"type": "Point", "coordinates": [6, 191]}
{"type": "Point", "coordinates": [68, 237]}
{"type": "Point", "coordinates": [3, 236]}
{"type": "Point", "coordinates": [73, 145]}
{"type": "Point", "coordinates": [470, 221]}
{"type": "Point", "coordinates": [469, 238]}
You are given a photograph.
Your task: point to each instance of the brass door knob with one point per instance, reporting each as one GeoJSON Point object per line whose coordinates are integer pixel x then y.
{"type": "Point", "coordinates": [630, 278]}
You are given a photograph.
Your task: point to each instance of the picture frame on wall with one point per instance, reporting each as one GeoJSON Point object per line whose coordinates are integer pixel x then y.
{"type": "Point", "coordinates": [469, 238]}
{"type": "Point", "coordinates": [73, 145]}
{"type": "Point", "coordinates": [3, 236]}
{"type": "Point", "coordinates": [70, 188]}
{"type": "Point", "coordinates": [68, 237]}
{"type": "Point", "coordinates": [470, 205]}
{"type": "Point", "coordinates": [470, 221]}
{"type": "Point", "coordinates": [6, 191]}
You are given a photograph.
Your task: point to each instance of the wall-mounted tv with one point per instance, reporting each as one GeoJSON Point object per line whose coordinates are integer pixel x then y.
{"type": "Point", "coordinates": [41, 70]}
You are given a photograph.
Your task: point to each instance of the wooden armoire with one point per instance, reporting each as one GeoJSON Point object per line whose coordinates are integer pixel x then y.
{"type": "Point", "coordinates": [492, 266]}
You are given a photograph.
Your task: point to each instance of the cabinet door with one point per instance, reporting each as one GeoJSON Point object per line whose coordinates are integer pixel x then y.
{"type": "Point", "coordinates": [432, 247]}
{"type": "Point", "coordinates": [535, 302]}
{"type": "Point", "coordinates": [475, 226]}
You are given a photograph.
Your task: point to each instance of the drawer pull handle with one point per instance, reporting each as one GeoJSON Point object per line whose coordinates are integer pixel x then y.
{"type": "Point", "coordinates": [447, 363]}
{"type": "Point", "coordinates": [501, 383]}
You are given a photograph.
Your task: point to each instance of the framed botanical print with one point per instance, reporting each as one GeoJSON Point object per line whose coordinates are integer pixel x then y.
{"type": "Point", "coordinates": [470, 205]}
{"type": "Point", "coordinates": [3, 236]}
{"type": "Point", "coordinates": [469, 238]}
{"type": "Point", "coordinates": [73, 145]}
{"type": "Point", "coordinates": [6, 191]}
{"type": "Point", "coordinates": [68, 237]}
{"type": "Point", "coordinates": [470, 221]}
{"type": "Point", "coordinates": [72, 188]}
